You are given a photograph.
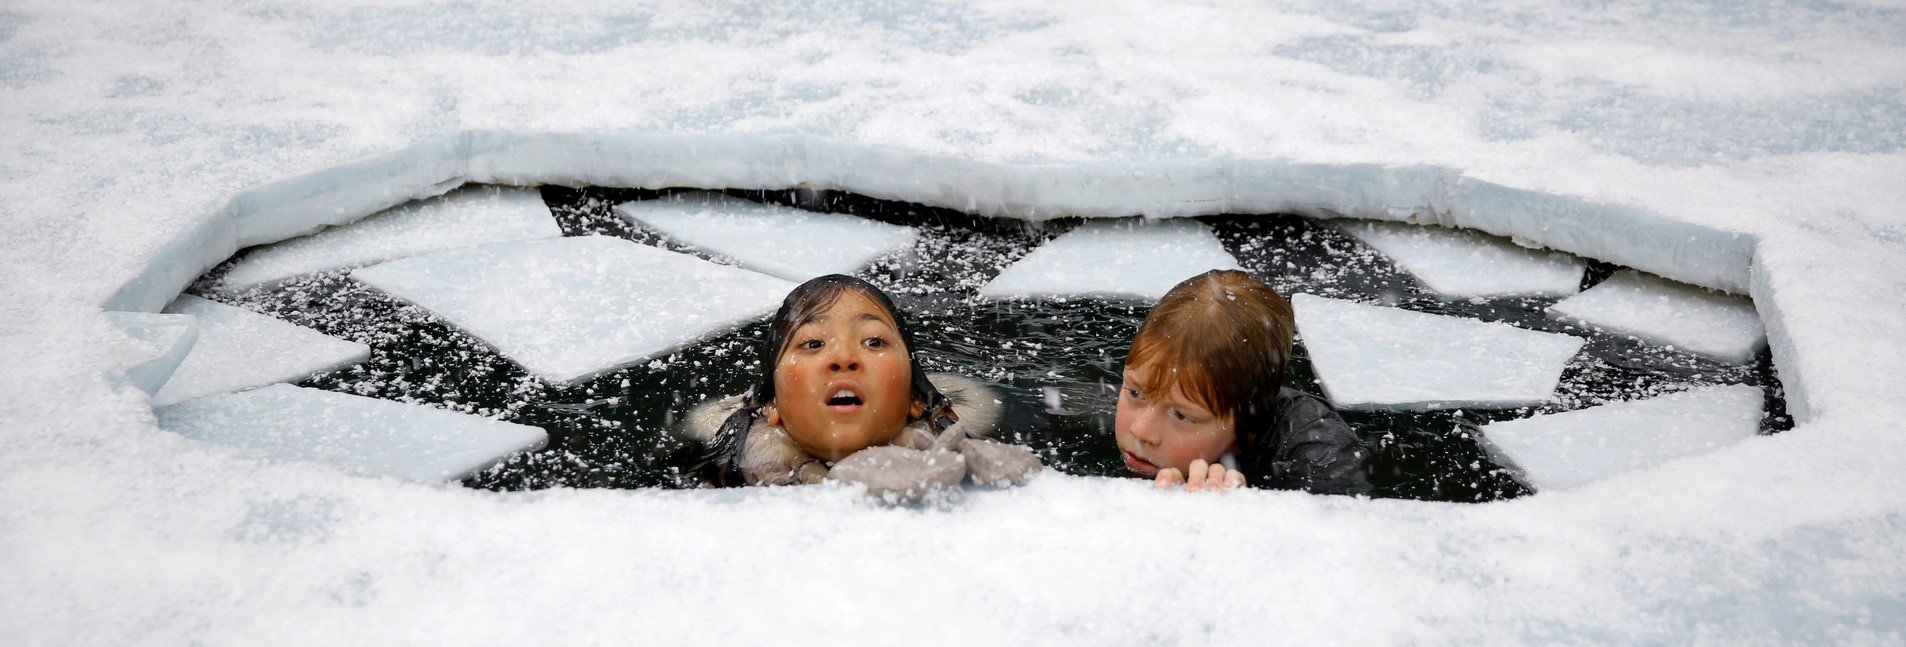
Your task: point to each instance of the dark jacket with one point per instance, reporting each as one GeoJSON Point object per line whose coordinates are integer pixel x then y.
{"type": "Point", "coordinates": [1307, 447]}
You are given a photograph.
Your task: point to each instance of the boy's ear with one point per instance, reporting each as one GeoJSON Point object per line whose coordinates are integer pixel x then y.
{"type": "Point", "coordinates": [771, 415]}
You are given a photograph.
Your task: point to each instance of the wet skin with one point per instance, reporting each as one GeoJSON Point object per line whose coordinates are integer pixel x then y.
{"type": "Point", "coordinates": [1170, 438]}
{"type": "Point", "coordinates": [842, 385]}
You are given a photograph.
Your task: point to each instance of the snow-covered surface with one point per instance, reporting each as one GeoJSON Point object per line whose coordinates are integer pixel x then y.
{"type": "Point", "coordinates": [239, 349]}
{"type": "Point", "coordinates": [160, 343]}
{"type": "Point", "coordinates": [357, 434]}
{"type": "Point", "coordinates": [1461, 264]}
{"type": "Point", "coordinates": [1720, 326]}
{"type": "Point", "coordinates": [572, 308]}
{"type": "Point", "coordinates": [1380, 358]}
{"type": "Point", "coordinates": [461, 218]}
{"type": "Point", "coordinates": [794, 244]}
{"type": "Point", "coordinates": [1564, 450]}
{"type": "Point", "coordinates": [1751, 147]}
{"type": "Point", "coordinates": [1140, 259]}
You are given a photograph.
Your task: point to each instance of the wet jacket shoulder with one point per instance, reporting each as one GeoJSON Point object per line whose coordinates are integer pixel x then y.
{"type": "Point", "coordinates": [1307, 447]}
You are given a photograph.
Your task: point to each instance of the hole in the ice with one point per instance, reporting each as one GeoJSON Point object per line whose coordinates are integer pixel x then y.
{"type": "Point", "coordinates": [1057, 362]}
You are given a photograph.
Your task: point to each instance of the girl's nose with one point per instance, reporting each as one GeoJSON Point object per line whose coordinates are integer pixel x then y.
{"type": "Point", "coordinates": [843, 359]}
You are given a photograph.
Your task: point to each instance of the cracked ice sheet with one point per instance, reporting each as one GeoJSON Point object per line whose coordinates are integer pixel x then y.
{"type": "Point", "coordinates": [1460, 264]}
{"type": "Point", "coordinates": [461, 218]}
{"type": "Point", "coordinates": [164, 340]}
{"type": "Point", "coordinates": [357, 434]}
{"type": "Point", "coordinates": [239, 349]}
{"type": "Point", "coordinates": [793, 244]}
{"type": "Point", "coordinates": [1377, 358]}
{"type": "Point", "coordinates": [1565, 450]}
{"type": "Point", "coordinates": [1688, 318]}
{"type": "Point", "coordinates": [1123, 258]}
{"type": "Point", "coordinates": [567, 309]}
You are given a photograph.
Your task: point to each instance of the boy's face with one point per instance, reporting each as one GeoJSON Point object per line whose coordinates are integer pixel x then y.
{"type": "Point", "coordinates": [843, 383]}
{"type": "Point", "coordinates": [1160, 430]}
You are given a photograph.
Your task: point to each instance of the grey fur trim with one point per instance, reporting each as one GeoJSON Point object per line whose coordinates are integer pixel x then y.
{"type": "Point", "coordinates": [977, 405]}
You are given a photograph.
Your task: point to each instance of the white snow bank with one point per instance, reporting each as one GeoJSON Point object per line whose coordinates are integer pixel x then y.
{"type": "Point", "coordinates": [567, 309]}
{"type": "Point", "coordinates": [794, 244]}
{"type": "Point", "coordinates": [461, 218]}
{"type": "Point", "coordinates": [1114, 258]}
{"type": "Point", "coordinates": [1688, 318]}
{"type": "Point", "coordinates": [358, 434]}
{"type": "Point", "coordinates": [239, 349]}
{"type": "Point", "coordinates": [1377, 358]}
{"type": "Point", "coordinates": [1564, 450]}
{"type": "Point", "coordinates": [1461, 264]}
{"type": "Point", "coordinates": [164, 341]}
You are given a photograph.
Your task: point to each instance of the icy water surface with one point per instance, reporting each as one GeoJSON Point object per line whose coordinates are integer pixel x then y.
{"type": "Point", "coordinates": [1056, 364]}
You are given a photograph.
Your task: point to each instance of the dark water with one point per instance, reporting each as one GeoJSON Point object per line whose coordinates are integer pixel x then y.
{"type": "Point", "coordinates": [613, 431]}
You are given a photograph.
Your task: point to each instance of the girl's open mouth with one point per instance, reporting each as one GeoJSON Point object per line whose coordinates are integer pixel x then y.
{"type": "Point", "coordinates": [844, 400]}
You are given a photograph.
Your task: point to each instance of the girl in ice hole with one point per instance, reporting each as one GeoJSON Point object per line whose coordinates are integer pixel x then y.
{"type": "Point", "coordinates": [839, 376]}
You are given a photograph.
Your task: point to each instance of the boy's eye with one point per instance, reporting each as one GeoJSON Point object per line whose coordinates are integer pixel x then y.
{"type": "Point", "coordinates": [1180, 415]}
{"type": "Point", "coordinates": [1134, 393]}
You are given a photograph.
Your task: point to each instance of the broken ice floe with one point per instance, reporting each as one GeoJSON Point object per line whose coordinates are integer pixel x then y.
{"type": "Point", "coordinates": [1460, 264]}
{"type": "Point", "coordinates": [793, 244]}
{"type": "Point", "coordinates": [1563, 450]}
{"type": "Point", "coordinates": [240, 349]}
{"type": "Point", "coordinates": [461, 218]}
{"type": "Point", "coordinates": [572, 308]}
{"type": "Point", "coordinates": [1377, 358]}
{"type": "Point", "coordinates": [1688, 318]}
{"type": "Point", "coordinates": [164, 341]}
{"type": "Point", "coordinates": [355, 433]}
{"type": "Point", "coordinates": [1114, 258]}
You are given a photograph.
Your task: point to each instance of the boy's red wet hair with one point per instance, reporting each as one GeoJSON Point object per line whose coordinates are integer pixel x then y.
{"type": "Point", "coordinates": [1223, 338]}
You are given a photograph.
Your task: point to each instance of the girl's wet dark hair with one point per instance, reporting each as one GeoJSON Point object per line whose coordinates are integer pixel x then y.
{"type": "Point", "coordinates": [803, 304]}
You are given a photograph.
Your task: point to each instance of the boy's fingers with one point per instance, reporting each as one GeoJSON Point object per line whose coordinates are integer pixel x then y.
{"type": "Point", "coordinates": [1195, 477]}
{"type": "Point", "coordinates": [1233, 478]}
{"type": "Point", "coordinates": [1168, 478]}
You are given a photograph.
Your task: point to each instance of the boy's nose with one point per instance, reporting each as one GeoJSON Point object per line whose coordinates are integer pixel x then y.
{"type": "Point", "coordinates": [1144, 427]}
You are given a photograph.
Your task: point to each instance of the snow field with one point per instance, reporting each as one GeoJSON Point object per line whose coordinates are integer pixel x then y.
{"type": "Point", "coordinates": [239, 349]}
{"type": "Point", "coordinates": [1564, 450]}
{"type": "Point", "coordinates": [163, 342]}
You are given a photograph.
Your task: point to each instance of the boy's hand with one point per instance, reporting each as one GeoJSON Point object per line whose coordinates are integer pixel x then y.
{"type": "Point", "coordinates": [1204, 476]}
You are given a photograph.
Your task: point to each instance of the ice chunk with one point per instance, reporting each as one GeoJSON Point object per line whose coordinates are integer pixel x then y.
{"type": "Point", "coordinates": [1376, 358]}
{"type": "Point", "coordinates": [1563, 450]}
{"type": "Point", "coordinates": [571, 308]}
{"type": "Point", "coordinates": [355, 433]}
{"type": "Point", "coordinates": [1692, 319]}
{"type": "Point", "coordinates": [1114, 258]}
{"type": "Point", "coordinates": [461, 218]}
{"type": "Point", "coordinates": [165, 340]}
{"type": "Point", "coordinates": [1460, 264]}
{"type": "Point", "coordinates": [240, 349]}
{"type": "Point", "coordinates": [791, 243]}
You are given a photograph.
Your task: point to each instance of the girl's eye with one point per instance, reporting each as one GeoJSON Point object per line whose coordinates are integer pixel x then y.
{"type": "Point", "coordinates": [811, 344]}
{"type": "Point", "coordinates": [876, 342]}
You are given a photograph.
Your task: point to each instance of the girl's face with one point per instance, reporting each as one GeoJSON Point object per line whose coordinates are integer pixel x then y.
{"type": "Point", "coordinates": [1160, 430]}
{"type": "Point", "coordinates": [843, 383]}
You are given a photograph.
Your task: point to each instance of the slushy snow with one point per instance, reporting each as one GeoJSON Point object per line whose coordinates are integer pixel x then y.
{"type": "Point", "coordinates": [239, 349]}
{"type": "Point", "coordinates": [1378, 358]}
{"type": "Point", "coordinates": [794, 244]}
{"type": "Point", "coordinates": [1703, 322]}
{"type": "Point", "coordinates": [1559, 451]}
{"type": "Point", "coordinates": [460, 218]}
{"type": "Point", "coordinates": [1124, 258]}
{"type": "Point", "coordinates": [163, 342]}
{"type": "Point", "coordinates": [357, 434]}
{"type": "Point", "coordinates": [1461, 264]}
{"type": "Point", "coordinates": [567, 309]}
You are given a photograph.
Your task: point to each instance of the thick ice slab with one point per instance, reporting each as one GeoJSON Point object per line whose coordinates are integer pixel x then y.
{"type": "Point", "coordinates": [791, 243]}
{"type": "Point", "coordinates": [571, 308]}
{"type": "Point", "coordinates": [1563, 450]}
{"type": "Point", "coordinates": [164, 341]}
{"type": "Point", "coordinates": [1699, 321]}
{"type": "Point", "coordinates": [358, 434]}
{"type": "Point", "coordinates": [1460, 264]}
{"type": "Point", "coordinates": [240, 349]}
{"type": "Point", "coordinates": [1376, 358]}
{"type": "Point", "coordinates": [1114, 258]}
{"type": "Point", "coordinates": [461, 218]}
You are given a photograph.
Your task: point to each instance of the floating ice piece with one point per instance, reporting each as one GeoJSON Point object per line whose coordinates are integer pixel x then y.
{"type": "Point", "coordinates": [461, 218]}
{"type": "Point", "coordinates": [1376, 358]}
{"type": "Point", "coordinates": [1706, 323]}
{"type": "Point", "coordinates": [240, 349]}
{"type": "Point", "coordinates": [791, 243]}
{"type": "Point", "coordinates": [1563, 450]}
{"type": "Point", "coordinates": [1460, 264]}
{"type": "Point", "coordinates": [361, 435]}
{"type": "Point", "coordinates": [165, 341]}
{"type": "Point", "coordinates": [567, 309]}
{"type": "Point", "coordinates": [1114, 258]}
